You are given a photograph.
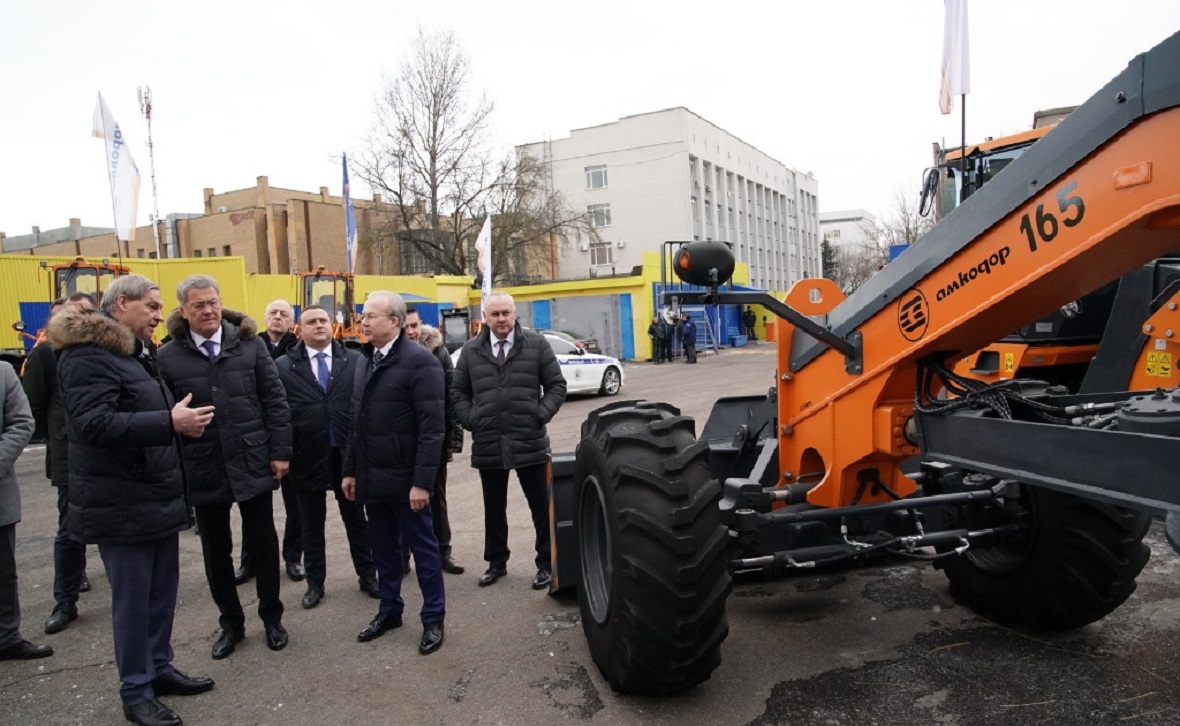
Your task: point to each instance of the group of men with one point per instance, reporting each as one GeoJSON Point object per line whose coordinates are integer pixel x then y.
{"type": "Point", "coordinates": [661, 333]}
{"type": "Point", "coordinates": [221, 415]}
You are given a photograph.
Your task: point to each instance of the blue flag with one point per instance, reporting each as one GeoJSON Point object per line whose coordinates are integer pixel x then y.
{"type": "Point", "coordinates": [349, 221]}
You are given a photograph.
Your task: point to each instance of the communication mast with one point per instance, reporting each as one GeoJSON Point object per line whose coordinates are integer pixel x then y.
{"type": "Point", "coordinates": [145, 107]}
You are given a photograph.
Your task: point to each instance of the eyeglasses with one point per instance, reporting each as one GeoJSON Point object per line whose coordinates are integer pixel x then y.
{"type": "Point", "coordinates": [205, 305]}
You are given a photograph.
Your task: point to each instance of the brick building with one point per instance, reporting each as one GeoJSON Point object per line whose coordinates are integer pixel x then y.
{"type": "Point", "coordinates": [276, 230]}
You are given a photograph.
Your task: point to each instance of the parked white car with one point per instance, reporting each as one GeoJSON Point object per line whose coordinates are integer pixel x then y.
{"type": "Point", "coordinates": [584, 372]}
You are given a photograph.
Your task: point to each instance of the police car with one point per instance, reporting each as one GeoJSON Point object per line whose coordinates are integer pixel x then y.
{"type": "Point", "coordinates": [587, 372]}
{"type": "Point", "coordinates": [584, 372]}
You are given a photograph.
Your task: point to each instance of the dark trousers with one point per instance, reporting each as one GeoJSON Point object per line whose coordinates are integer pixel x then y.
{"type": "Point", "coordinates": [292, 528]}
{"type": "Point", "coordinates": [750, 332]}
{"type": "Point", "coordinates": [438, 510]}
{"type": "Point", "coordinates": [144, 580]}
{"type": "Point", "coordinates": [217, 546]}
{"type": "Point", "coordinates": [69, 556]}
{"type": "Point", "coordinates": [9, 600]}
{"type": "Point", "coordinates": [690, 352]}
{"type": "Point", "coordinates": [313, 512]}
{"type": "Point", "coordinates": [391, 524]}
{"type": "Point", "coordinates": [534, 483]}
{"type": "Point", "coordinates": [665, 349]}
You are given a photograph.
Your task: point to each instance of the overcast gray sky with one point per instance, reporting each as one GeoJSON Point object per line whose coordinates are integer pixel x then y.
{"type": "Point", "coordinates": [845, 89]}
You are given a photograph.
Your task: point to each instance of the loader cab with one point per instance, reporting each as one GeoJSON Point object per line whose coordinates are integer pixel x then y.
{"type": "Point", "coordinates": [333, 291]}
{"type": "Point", "coordinates": [947, 186]}
{"type": "Point", "coordinates": [82, 276]}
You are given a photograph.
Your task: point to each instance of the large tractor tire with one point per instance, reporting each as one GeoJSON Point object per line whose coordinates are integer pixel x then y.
{"type": "Point", "coordinates": [654, 577]}
{"type": "Point", "coordinates": [1075, 564]}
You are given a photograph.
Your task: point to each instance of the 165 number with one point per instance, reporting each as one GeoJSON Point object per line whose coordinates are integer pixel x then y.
{"type": "Point", "coordinates": [1044, 226]}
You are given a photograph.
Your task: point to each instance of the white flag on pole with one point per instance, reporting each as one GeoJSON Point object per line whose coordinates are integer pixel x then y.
{"type": "Point", "coordinates": [124, 175]}
{"type": "Point", "coordinates": [956, 55]}
{"type": "Point", "coordinates": [483, 248]}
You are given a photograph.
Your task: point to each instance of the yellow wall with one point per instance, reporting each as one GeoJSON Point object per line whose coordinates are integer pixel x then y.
{"type": "Point", "coordinates": [25, 281]}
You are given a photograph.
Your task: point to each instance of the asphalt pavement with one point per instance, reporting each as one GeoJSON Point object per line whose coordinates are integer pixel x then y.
{"type": "Point", "coordinates": [883, 644]}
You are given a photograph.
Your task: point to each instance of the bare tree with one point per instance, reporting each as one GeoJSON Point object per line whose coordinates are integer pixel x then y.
{"type": "Point", "coordinates": [429, 154]}
{"type": "Point", "coordinates": [854, 265]}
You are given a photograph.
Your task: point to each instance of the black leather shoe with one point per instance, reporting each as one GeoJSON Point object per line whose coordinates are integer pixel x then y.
{"type": "Point", "coordinates": [312, 597]}
{"type": "Point", "coordinates": [25, 650]}
{"type": "Point", "coordinates": [493, 574]}
{"type": "Point", "coordinates": [276, 636]}
{"type": "Point", "coordinates": [378, 626]}
{"type": "Point", "coordinates": [226, 640]}
{"type": "Point", "coordinates": [368, 584]}
{"type": "Point", "coordinates": [151, 713]}
{"type": "Point", "coordinates": [432, 638]}
{"type": "Point", "coordinates": [63, 614]}
{"type": "Point", "coordinates": [84, 585]}
{"type": "Point", "coordinates": [295, 571]}
{"type": "Point", "coordinates": [450, 565]}
{"type": "Point", "coordinates": [178, 684]}
{"type": "Point", "coordinates": [242, 575]}
{"type": "Point", "coordinates": [543, 578]}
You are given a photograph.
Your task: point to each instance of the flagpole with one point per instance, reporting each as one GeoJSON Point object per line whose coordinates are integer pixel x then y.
{"type": "Point", "coordinates": [963, 149]}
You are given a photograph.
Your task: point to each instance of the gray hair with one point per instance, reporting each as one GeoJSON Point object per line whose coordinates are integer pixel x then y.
{"type": "Point", "coordinates": [132, 287]}
{"type": "Point", "coordinates": [395, 305]}
{"type": "Point", "coordinates": [195, 282]}
{"type": "Point", "coordinates": [501, 293]}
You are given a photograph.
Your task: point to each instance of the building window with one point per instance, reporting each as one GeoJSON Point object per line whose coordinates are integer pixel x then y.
{"type": "Point", "coordinates": [139, 252]}
{"type": "Point", "coordinates": [196, 253]}
{"type": "Point", "coordinates": [413, 260]}
{"type": "Point", "coordinates": [599, 215]}
{"type": "Point", "coordinates": [212, 251]}
{"type": "Point", "coordinates": [596, 177]}
{"type": "Point", "coordinates": [226, 251]}
{"type": "Point", "coordinates": [602, 253]}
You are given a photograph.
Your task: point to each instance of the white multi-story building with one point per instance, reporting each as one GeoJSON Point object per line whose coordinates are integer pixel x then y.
{"type": "Point", "coordinates": [850, 229]}
{"type": "Point", "coordinates": [672, 175]}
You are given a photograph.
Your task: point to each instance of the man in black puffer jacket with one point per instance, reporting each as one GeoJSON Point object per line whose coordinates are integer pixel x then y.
{"type": "Point", "coordinates": [218, 358]}
{"type": "Point", "coordinates": [126, 489]}
{"type": "Point", "coordinates": [317, 374]}
{"type": "Point", "coordinates": [505, 394]}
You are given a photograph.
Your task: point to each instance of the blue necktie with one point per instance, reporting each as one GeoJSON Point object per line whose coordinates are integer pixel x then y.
{"type": "Point", "coordinates": [322, 369]}
{"type": "Point", "coordinates": [210, 350]}
{"type": "Point", "coordinates": [322, 374]}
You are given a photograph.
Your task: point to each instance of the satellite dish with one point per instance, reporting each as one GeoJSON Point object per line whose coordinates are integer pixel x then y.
{"type": "Point", "coordinates": [669, 315]}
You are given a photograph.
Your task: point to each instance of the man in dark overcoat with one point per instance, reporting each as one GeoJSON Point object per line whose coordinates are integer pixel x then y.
{"type": "Point", "coordinates": [317, 374]}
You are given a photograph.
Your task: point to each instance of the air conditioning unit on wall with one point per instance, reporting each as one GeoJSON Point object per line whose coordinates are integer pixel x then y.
{"type": "Point", "coordinates": [583, 247]}
{"type": "Point", "coordinates": [620, 244]}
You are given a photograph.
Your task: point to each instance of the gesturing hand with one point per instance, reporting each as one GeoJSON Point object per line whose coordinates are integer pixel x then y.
{"type": "Point", "coordinates": [190, 422]}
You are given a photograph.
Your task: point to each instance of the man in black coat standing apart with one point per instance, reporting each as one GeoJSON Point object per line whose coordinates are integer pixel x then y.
{"type": "Point", "coordinates": [126, 489]}
{"type": "Point", "coordinates": [44, 393]}
{"type": "Point", "coordinates": [317, 374]}
{"type": "Point", "coordinates": [218, 359]}
{"type": "Point", "coordinates": [279, 319]}
{"type": "Point", "coordinates": [508, 385]}
{"type": "Point", "coordinates": [392, 460]}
